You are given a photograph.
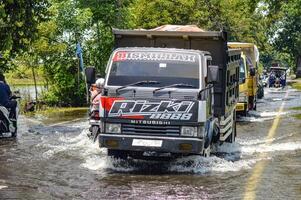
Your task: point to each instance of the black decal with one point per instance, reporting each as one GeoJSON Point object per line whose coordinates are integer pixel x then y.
{"type": "Point", "coordinates": [138, 106]}
{"type": "Point", "coordinates": [167, 106]}
{"type": "Point", "coordinates": [149, 108]}
{"type": "Point", "coordinates": [185, 106]}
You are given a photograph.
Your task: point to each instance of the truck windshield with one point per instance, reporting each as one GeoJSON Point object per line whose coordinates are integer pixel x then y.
{"type": "Point", "coordinates": [166, 68]}
{"type": "Point", "coordinates": [242, 72]}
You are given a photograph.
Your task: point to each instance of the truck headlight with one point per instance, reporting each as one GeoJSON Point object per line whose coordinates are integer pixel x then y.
{"type": "Point", "coordinates": [189, 131]}
{"type": "Point", "coordinates": [113, 128]}
{"type": "Point", "coordinates": [242, 98]}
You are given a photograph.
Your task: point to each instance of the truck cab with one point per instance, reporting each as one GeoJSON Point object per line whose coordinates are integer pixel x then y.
{"type": "Point", "coordinates": [249, 77]}
{"type": "Point", "coordinates": [153, 100]}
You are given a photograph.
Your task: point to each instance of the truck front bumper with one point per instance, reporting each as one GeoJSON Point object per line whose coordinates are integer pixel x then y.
{"type": "Point", "coordinates": [241, 106]}
{"type": "Point", "coordinates": [151, 143]}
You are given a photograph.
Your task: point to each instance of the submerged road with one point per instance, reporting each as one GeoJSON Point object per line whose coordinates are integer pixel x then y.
{"type": "Point", "coordinates": [54, 159]}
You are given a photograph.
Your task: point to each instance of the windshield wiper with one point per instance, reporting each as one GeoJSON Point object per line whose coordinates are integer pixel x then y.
{"type": "Point", "coordinates": [184, 85]}
{"type": "Point", "coordinates": [136, 83]}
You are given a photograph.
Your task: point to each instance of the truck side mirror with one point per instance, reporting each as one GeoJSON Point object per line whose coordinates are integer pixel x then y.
{"type": "Point", "coordinates": [252, 71]}
{"type": "Point", "coordinates": [90, 75]}
{"type": "Point", "coordinates": [213, 74]}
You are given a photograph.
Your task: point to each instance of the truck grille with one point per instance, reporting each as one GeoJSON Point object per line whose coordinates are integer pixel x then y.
{"type": "Point", "coordinates": [150, 129]}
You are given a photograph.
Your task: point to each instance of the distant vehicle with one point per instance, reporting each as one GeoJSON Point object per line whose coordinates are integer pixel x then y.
{"type": "Point", "coordinates": [260, 92]}
{"type": "Point", "coordinates": [265, 80]}
{"type": "Point", "coordinates": [248, 76]}
{"type": "Point", "coordinates": [168, 93]}
{"type": "Point", "coordinates": [277, 77]}
{"type": "Point", "coordinates": [8, 126]}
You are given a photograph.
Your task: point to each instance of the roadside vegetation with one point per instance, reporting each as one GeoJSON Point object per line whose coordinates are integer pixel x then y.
{"type": "Point", "coordinates": [296, 108]}
{"type": "Point", "coordinates": [297, 116]}
{"type": "Point", "coordinates": [22, 76]}
{"type": "Point", "coordinates": [38, 40]}
{"type": "Point", "coordinates": [59, 111]}
{"type": "Point", "coordinates": [297, 84]}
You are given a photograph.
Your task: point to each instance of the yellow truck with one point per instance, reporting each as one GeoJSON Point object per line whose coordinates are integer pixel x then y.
{"type": "Point", "coordinates": [248, 76]}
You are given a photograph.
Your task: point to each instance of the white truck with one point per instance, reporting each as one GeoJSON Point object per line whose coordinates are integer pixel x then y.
{"type": "Point", "coordinates": [168, 94]}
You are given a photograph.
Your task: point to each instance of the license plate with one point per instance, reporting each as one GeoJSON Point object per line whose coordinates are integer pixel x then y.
{"type": "Point", "coordinates": [239, 107]}
{"type": "Point", "coordinates": [147, 143]}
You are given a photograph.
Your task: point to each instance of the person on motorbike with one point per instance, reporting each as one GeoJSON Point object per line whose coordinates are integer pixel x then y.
{"type": "Point", "coordinates": [96, 89]}
{"type": "Point", "coordinates": [95, 92]}
{"type": "Point", "coordinates": [5, 95]}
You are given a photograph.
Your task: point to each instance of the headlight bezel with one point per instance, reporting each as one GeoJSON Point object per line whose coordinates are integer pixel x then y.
{"type": "Point", "coordinates": [194, 131]}
{"type": "Point", "coordinates": [113, 127]}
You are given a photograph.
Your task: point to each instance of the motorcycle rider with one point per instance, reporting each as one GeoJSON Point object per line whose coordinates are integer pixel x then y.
{"type": "Point", "coordinates": [5, 94]}
{"type": "Point", "coordinates": [95, 92]}
{"type": "Point", "coordinates": [96, 89]}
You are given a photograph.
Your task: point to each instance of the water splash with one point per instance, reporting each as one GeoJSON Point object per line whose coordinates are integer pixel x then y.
{"type": "Point", "coordinates": [241, 155]}
{"type": "Point", "coordinates": [199, 164]}
{"type": "Point", "coordinates": [255, 116]}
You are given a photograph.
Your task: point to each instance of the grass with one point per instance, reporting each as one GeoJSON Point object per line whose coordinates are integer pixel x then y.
{"type": "Point", "coordinates": [51, 111]}
{"type": "Point", "coordinates": [297, 84]}
{"type": "Point", "coordinates": [23, 82]}
{"type": "Point", "coordinates": [297, 116]}
{"type": "Point", "coordinates": [53, 115]}
{"type": "Point", "coordinates": [296, 108]}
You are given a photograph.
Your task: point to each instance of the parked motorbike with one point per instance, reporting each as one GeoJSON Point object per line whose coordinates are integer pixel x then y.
{"type": "Point", "coordinates": [8, 126]}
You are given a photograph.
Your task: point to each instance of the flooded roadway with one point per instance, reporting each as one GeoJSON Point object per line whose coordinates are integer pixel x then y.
{"type": "Point", "coordinates": [55, 160]}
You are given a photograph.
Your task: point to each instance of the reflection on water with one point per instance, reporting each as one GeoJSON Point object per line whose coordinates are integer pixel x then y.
{"type": "Point", "coordinates": [58, 161]}
{"type": "Point", "coordinates": [28, 91]}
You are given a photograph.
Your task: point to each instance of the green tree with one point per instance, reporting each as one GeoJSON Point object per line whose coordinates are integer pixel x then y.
{"type": "Point", "coordinates": [55, 48]}
{"type": "Point", "coordinates": [18, 22]}
{"type": "Point", "coordinates": [107, 14]}
{"type": "Point", "coordinates": [238, 17]}
{"type": "Point", "coordinates": [287, 35]}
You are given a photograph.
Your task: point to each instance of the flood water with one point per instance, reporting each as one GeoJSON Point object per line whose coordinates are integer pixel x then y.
{"type": "Point", "coordinates": [57, 161]}
{"type": "Point", "coordinates": [28, 91]}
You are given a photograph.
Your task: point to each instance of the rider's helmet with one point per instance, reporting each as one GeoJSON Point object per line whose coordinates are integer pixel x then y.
{"type": "Point", "coordinates": [100, 82]}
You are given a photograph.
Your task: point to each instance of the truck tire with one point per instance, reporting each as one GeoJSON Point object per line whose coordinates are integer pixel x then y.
{"type": "Point", "coordinates": [210, 133]}
{"type": "Point", "coordinates": [252, 102]}
{"type": "Point", "coordinates": [94, 133]}
{"type": "Point", "coordinates": [118, 154]}
{"type": "Point", "coordinates": [255, 103]}
{"type": "Point", "coordinates": [207, 151]}
{"type": "Point", "coordinates": [14, 134]}
{"type": "Point", "coordinates": [245, 113]}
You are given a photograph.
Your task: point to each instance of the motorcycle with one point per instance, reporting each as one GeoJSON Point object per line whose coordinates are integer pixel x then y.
{"type": "Point", "coordinates": [8, 126]}
{"type": "Point", "coordinates": [277, 83]}
{"type": "Point", "coordinates": [94, 119]}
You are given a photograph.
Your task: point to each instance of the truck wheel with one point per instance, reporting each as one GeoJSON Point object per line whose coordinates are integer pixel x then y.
{"type": "Point", "coordinates": [210, 134]}
{"type": "Point", "coordinates": [244, 113]}
{"type": "Point", "coordinates": [254, 103]}
{"type": "Point", "coordinates": [207, 151]}
{"type": "Point", "coordinates": [14, 134]}
{"type": "Point", "coordinates": [94, 134]}
{"type": "Point", "coordinates": [118, 154]}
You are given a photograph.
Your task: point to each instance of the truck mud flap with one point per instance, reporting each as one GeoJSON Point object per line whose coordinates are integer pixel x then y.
{"type": "Point", "coordinates": [226, 127]}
